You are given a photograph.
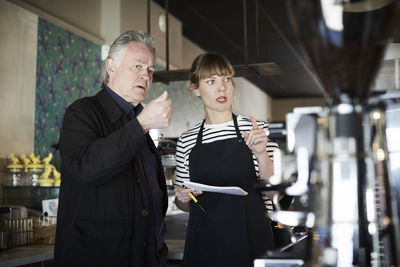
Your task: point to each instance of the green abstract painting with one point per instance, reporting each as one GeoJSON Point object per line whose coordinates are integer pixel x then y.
{"type": "Point", "coordinates": [68, 67]}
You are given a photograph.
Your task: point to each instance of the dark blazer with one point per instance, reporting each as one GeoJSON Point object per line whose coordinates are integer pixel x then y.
{"type": "Point", "coordinates": [103, 215]}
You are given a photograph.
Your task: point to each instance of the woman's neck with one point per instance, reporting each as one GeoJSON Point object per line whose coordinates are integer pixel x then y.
{"type": "Point", "coordinates": [218, 117]}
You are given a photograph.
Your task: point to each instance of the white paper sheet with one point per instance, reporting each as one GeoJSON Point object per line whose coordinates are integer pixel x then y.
{"type": "Point", "coordinates": [231, 190]}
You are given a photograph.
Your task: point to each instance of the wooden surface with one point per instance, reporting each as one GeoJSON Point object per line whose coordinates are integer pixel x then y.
{"type": "Point", "coordinates": [26, 255]}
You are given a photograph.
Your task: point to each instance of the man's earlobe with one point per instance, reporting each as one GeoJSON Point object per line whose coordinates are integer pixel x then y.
{"type": "Point", "coordinates": [110, 65]}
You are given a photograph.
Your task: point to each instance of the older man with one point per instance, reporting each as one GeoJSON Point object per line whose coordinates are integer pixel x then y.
{"type": "Point", "coordinates": [113, 195]}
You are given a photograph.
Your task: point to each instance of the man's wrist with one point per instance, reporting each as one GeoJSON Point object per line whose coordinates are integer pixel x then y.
{"type": "Point", "coordinates": [142, 124]}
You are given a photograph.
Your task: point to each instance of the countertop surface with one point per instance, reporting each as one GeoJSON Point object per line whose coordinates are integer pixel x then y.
{"type": "Point", "coordinates": [26, 255]}
{"type": "Point", "coordinates": [175, 239]}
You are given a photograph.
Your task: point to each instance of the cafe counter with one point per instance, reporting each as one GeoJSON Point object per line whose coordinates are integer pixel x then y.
{"type": "Point", "coordinates": [43, 254]}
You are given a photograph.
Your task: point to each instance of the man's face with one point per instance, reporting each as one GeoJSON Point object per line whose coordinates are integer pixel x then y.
{"type": "Point", "coordinates": [131, 73]}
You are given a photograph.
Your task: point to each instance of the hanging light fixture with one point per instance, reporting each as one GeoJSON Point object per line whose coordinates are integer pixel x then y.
{"type": "Point", "coordinates": [246, 70]}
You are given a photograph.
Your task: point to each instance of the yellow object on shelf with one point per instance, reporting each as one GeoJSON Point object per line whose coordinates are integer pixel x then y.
{"type": "Point", "coordinates": [48, 182]}
{"type": "Point", "coordinates": [15, 164]}
{"type": "Point", "coordinates": [32, 171]}
{"type": "Point", "coordinates": [26, 160]}
{"type": "Point", "coordinates": [13, 172]}
{"type": "Point", "coordinates": [47, 159]}
{"type": "Point", "coordinates": [35, 164]}
{"type": "Point", "coordinates": [45, 180]}
{"type": "Point", "coordinates": [57, 177]}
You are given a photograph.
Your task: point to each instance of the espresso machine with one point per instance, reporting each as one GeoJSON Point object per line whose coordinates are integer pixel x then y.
{"type": "Point", "coordinates": [337, 163]}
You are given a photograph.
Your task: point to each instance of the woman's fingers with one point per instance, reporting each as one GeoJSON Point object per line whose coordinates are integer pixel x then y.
{"type": "Point", "coordinates": [197, 192]}
{"type": "Point", "coordinates": [182, 193]}
{"type": "Point", "coordinates": [253, 121]}
{"type": "Point", "coordinates": [260, 139]}
{"type": "Point", "coordinates": [256, 139]}
{"type": "Point", "coordinates": [254, 135]}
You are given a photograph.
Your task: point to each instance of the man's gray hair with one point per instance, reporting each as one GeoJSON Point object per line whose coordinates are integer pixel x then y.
{"type": "Point", "coordinates": [119, 43]}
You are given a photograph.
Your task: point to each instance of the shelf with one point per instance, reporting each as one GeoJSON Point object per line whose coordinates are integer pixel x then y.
{"type": "Point", "coordinates": [28, 196]}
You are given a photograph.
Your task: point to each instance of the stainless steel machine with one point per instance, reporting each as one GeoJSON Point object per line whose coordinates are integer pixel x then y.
{"type": "Point", "coordinates": [341, 165]}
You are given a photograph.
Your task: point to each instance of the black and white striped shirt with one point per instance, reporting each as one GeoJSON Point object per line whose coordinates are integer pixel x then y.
{"type": "Point", "coordinates": [212, 133]}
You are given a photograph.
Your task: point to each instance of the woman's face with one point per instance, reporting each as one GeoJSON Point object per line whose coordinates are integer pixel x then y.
{"type": "Point", "coordinates": [216, 93]}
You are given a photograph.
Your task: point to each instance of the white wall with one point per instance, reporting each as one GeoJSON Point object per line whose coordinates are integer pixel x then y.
{"type": "Point", "coordinates": [175, 37]}
{"type": "Point", "coordinates": [189, 51]}
{"type": "Point", "coordinates": [109, 29]}
{"type": "Point", "coordinates": [85, 15]}
{"type": "Point", "coordinates": [251, 100]}
{"type": "Point", "coordinates": [18, 35]}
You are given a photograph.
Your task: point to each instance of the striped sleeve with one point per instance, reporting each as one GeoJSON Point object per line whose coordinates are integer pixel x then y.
{"type": "Point", "coordinates": [181, 172]}
{"type": "Point", "coordinates": [183, 148]}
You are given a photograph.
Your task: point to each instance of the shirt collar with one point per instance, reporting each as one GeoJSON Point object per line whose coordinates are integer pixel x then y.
{"type": "Point", "coordinates": [127, 108]}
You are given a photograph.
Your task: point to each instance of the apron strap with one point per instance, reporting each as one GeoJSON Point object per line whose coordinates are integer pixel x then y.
{"type": "Point", "coordinates": [239, 135]}
{"type": "Point", "coordinates": [200, 135]}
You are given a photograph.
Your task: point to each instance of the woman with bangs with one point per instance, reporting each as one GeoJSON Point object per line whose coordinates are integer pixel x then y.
{"type": "Point", "coordinates": [223, 150]}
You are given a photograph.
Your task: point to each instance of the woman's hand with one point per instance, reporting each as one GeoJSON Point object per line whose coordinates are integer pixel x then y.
{"type": "Point", "coordinates": [256, 139]}
{"type": "Point", "coordinates": [182, 193]}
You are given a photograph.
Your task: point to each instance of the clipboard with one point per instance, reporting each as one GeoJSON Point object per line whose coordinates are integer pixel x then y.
{"type": "Point", "coordinates": [230, 190]}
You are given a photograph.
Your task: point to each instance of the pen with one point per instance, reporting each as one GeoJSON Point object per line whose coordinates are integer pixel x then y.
{"type": "Point", "coordinates": [196, 201]}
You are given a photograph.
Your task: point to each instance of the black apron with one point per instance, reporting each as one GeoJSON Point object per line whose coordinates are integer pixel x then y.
{"type": "Point", "coordinates": [234, 230]}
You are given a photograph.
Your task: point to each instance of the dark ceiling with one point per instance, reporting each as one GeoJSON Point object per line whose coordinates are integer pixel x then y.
{"type": "Point", "coordinates": [218, 26]}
